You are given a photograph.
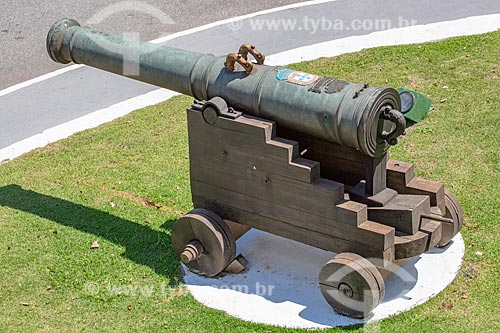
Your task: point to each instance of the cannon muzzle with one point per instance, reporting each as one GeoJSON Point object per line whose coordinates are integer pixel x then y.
{"type": "Point", "coordinates": [57, 45]}
{"type": "Point", "coordinates": [353, 115]}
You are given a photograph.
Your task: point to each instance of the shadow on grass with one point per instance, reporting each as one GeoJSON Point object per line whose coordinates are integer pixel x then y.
{"type": "Point", "coordinates": [143, 245]}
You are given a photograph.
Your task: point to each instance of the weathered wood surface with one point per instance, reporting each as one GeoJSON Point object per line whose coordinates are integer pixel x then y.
{"type": "Point", "coordinates": [247, 175]}
{"type": "Point", "coordinates": [434, 230]}
{"type": "Point", "coordinates": [264, 173]}
{"type": "Point", "coordinates": [401, 177]}
{"type": "Point", "coordinates": [369, 237]}
{"type": "Point", "coordinates": [241, 145]}
{"type": "Point", "coordinates": [403, 212]}
{"type": "Point", "coordinates": [216, 245]}
{"type": "Point", "coordinates": [342, 164]}
{"type": "Point", "coordinates": [241, 171]}
{"type": "Point", "coordinates": [300, 234]}
{"type": "Point", "coordinates": [429, 235]}
{"type": "Point", "coordinates": [323, 197]}
{"type": "Point", "coordinates": [407, 246]}
{"type": "Point", "coordinates": [399, 174]}
{"type": "Point", "coordinates": [351, 285]}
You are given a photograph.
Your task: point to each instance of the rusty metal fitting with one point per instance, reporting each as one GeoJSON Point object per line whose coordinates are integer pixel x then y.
{"type": "Point", "coordinates": [192, 251]}
{"type": "Point", "coordinates": [245, 49]}
{"type": "Point", "coordinates": [233, 58]}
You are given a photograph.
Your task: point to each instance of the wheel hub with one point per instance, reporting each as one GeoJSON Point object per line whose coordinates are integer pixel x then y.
{"type": "Point", "coordinates": [346, 290]}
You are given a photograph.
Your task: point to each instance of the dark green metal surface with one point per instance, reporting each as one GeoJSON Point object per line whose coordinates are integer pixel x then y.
{"type": "Point", "coordinates": [415, 107]}
{"type": "Point", "coordinates": [352, 115]}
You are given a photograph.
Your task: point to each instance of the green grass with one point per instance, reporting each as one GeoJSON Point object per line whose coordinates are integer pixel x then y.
{"type": "Point", "coordinates": [104, 184]}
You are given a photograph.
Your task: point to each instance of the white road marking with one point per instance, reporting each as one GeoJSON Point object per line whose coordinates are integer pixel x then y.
{"type": "Point", "coordinates": [41, 78]}
{"type": "Point", "coordinates": [239, 18]}
{"type": "Point", "coordinates": [413, 34]}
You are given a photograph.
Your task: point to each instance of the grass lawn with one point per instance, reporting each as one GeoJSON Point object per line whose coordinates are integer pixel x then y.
{"type": "Point", "coordinates": [126, 182]}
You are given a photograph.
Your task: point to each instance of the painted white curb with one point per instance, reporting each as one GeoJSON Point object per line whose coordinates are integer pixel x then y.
{"type": "Point", "coordinates": [90, 120]}
{"type": "Point", "coordinates": [408, 35]}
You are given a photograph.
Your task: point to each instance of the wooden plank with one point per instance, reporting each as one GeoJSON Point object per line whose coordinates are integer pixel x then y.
{"type": "Point", "coordinates": [313, 166]}
{"type": "Point", "coordinates": [342, 164]}
{"type": "Point", "coordinates": [242, 148]}
{"type": "Point", "coordinates": [403, 212]}
{"type": "Point", "coordinates": [344, 171]}
{"type": "Point", "coordinates": [300, 169]}
{"type": "Point", "coordinates": [435, 191]}
{"type": "Point", "coordinates": [323, 241]}
{"type": "Point", "coordinates": [248, 123]}
{"type": "Point", "coordinates": [370, 234]}
{"type": "Point", "coordinates": [352, 211]}
{"type": "Point", "coordinates": [286, 144]}
{"type": "Point", "coordinates": [399, 174]}
{"type": "Point", "coordinates": [400, 177]}
{"type": "Point", "coordinates": [322, 146]}
{"type": "Point", "coordinates": [258, 128]}
{"type": "Point", "coordinates": [407, 246]}
{"type": "Point", "coordinates": [376, 175]}
{"type": "Point", "coordinates": [320, 196]}
{"type": "Point", "coordinates": [324, 197]}
{"type": "Point", "coordinates": [434, 230]}
{"type": "Point", "coordinates": [246, 140]}
{"type": "Point", "coordinates": [381, 229]}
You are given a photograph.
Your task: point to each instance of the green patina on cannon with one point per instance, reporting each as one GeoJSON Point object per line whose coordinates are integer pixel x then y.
{"type": "Point", "coordinates": [299, 155]}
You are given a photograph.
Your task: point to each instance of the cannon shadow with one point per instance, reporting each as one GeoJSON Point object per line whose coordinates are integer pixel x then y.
{"type": "Point", "coordinates": [143, 245]}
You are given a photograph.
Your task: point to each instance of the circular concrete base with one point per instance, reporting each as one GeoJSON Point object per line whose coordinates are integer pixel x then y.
{"type": "Point", "coordinates": [280, 285]}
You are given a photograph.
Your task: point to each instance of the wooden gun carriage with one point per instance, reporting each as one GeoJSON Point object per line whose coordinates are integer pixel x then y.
{"type": "Point", "coordinates": [295, 154]}
{"type": "Point", "coordinates": [247, 172]}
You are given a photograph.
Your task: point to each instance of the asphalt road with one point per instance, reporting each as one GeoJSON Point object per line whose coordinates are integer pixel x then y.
{"type": "Point", "coordinates": [32, 110]}
{"type": "Point", "coordinates": [24, 25]}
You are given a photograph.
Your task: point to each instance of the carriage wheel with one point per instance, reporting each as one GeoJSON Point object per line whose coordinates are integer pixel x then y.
{"type": "Point", "coordinates": [453, 212]}
{"type": "Point", "coordinates": [351, 285]}
{"type": "Point", "coordinates": [203, 242]}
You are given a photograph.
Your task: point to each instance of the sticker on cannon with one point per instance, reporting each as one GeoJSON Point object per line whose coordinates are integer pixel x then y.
{"type": "Point", "coordinates": [301, 78]}
{"type": "Point", "coordinates": [283, 74]}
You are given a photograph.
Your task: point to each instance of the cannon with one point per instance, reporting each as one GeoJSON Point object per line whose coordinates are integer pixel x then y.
{"type": "Point", "coordinates": [299, 155]}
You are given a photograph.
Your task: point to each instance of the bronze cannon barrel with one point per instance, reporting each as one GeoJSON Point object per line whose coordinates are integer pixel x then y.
{"type": "Point", "coordinates": [353, 115]}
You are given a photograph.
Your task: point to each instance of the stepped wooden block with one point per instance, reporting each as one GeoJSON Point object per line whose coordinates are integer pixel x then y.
{"type": "Point", "coordinates": [243, 172]}
{"type": "Point", "coordinates": [426, 238]}
{"type": "Point", "coordinates": [434, 230]}
{"type": "Point", "coordinates": [399, 174]}
{"type": "Point", "coordinates": [407, 246]}
{"type": "Point", "coordinates": [401, 177]}
{"type": "Point", "coordinates": [403, 212]}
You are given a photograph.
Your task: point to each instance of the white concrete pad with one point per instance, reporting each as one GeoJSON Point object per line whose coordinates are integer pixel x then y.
{"type": "Point", "coordinates": [280, 286]}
